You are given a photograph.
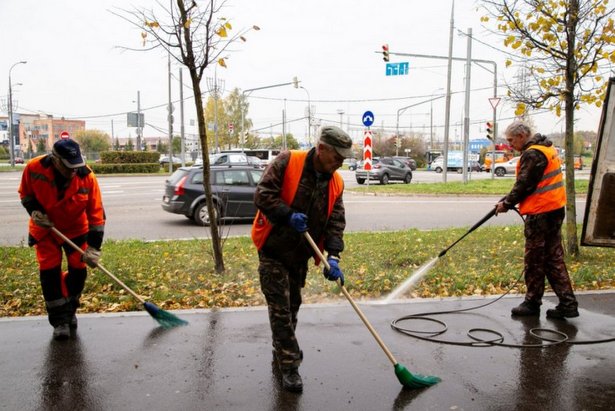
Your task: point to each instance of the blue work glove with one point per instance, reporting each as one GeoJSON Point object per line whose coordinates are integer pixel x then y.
{"type": "Point", "coordinates": [334, 273]}
{"type": "Point", "coordinates": [298, 221]}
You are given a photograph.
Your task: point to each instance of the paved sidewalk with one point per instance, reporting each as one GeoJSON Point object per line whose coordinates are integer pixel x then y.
{"type": "Point", "coordinates": [222, 361]}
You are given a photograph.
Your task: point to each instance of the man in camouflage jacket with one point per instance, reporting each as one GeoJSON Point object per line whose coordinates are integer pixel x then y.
{"type": "Point", "coordinates": [284, 252]}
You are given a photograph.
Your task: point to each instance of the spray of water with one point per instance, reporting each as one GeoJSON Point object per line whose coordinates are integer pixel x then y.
{"type": "Point", "coordinates": [411, 281]}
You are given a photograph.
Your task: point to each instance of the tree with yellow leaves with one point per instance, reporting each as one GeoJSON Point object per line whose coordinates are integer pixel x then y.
{"type": "Point", "coordinates": [567, 48]}
{"type": "Point", "coordinates": [196, 35]}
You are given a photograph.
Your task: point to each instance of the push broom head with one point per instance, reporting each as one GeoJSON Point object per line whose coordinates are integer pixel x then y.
{"type": "Point", "coordinates": [164, 318]}
{"type": "Point", "coordinates": [410, 380]}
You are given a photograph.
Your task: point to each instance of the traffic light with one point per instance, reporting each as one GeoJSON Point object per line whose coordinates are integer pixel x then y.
{"type": "Point", "coordinates": [385, 52]}
{"type": "Point", "coordinates": [490, 131]}
{"type": "Point", "coordinates": [295, 82]}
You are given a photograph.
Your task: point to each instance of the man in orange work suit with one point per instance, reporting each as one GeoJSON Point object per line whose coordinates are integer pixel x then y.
{"type": "Point", "coordinates": [59, 190]}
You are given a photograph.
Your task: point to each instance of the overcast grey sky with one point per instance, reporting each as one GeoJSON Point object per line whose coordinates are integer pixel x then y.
{"type": "Point", "coordinates": [76, 70]}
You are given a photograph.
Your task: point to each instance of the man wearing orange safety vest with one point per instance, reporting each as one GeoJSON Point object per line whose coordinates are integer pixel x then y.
{"type": "Point", "coordinates": [59, 190]}
{"type": "Point", "coordinates": [299, 191]}
{"type": "Point", "coordinates": [541, 195]}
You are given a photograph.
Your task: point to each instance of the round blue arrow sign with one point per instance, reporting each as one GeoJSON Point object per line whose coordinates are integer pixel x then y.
{"type": "Point", "coordinates": [368, 118]}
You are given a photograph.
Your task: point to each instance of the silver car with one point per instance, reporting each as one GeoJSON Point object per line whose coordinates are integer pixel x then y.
{"type": "Point", "coordinates": [507, 167]}
{"type": "Point", "coordinates": [384, 169]}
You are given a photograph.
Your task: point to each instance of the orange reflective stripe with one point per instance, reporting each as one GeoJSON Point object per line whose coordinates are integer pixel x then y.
{"type": "Point", "coordinates": [550, 193]}
{"type": "Point", "coordinates": [261, 227]}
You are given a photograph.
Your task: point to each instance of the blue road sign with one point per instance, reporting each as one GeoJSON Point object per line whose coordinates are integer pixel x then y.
{"type": "Point", "coordinates": [397, 69]}
{"type": "Point", "coordinates": [368, 118]}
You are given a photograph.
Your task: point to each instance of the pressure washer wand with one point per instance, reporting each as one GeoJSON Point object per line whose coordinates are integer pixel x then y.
{"type": "Point", "coordinates": [474, 227]}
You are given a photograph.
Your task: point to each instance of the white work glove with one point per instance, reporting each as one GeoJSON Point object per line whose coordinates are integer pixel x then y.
{"type": "Point", "coordinates": [91, 257]}
{"type": "Point", "coordinates": [41, 219]}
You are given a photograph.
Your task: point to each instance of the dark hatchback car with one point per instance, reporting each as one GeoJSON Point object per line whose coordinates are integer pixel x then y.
{"type": "Point", "coordinates": [232, 188]}
{"type": "Point", "coordinates": [410, 162]}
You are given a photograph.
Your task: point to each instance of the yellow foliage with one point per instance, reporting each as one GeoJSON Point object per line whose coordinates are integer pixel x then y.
{"type": "Point", "coordinates": [221, 32]}
{"type": "Point", "coordinates": [520, 110]}
{"type": "Point", "coordinates": [188, 23]}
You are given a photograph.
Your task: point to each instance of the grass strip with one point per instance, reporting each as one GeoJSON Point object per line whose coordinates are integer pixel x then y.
{"type": "Point", "coordinates": [180, 274]}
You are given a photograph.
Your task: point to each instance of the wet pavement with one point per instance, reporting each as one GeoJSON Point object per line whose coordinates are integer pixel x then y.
{"type": "Point", "coordinates": [222, 361]}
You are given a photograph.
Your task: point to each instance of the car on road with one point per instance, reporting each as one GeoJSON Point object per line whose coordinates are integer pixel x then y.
{"type": "Point", "coordinates": [225, 159]}
{"type": "Point", "coordinates": [232, 189]}
{"type": "Point", "coordinates": [351, 163]}
{"type": "Point", "coordinates": [19, 160]}
{"type": "Point", "coordinates": [507, 167]}
{"type": "Point", "coordinates": [409, 161]}
{"type": "Point", "coordinates": [164, 160]}
{"type": "Point", "coordinates": [384, 169]}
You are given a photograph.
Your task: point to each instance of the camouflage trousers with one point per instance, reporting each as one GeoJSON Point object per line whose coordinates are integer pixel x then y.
{"type": "Point", "coordinates": [544, 257]}
{"type": "Point", "coordinates": [281, 286]}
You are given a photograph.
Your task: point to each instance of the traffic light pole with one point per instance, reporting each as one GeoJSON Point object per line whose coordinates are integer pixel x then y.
{"type": "Point", "coordinates": [477, 61]}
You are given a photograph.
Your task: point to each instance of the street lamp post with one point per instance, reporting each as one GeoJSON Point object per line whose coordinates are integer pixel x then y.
{"type": "Point", "coordinates": [309, 115]}
{"type": "Point", "coordinates": [341, 113]}
{"type": "Point", "coordinates": [401, 110]}
{"type": "Point", "coordinates": [431, 118]}
{"type": "Point", "coordinates": [218, 88]}
{"type": "Point", "coordinates": [247, 92]}
{"type": "Point", "coordinates": [10, 113]}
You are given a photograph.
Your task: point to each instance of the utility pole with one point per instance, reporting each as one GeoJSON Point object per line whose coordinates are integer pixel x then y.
{"type": "Point", "coordinates": [341, 113]}
{"type": "Point", "coordinates": [466, 120]}
{"type": "Point", "coordinates": [284, 148]}
{"type": "Point", "coordinates": [181, 118]}
{"type": "Point", "coordinates": [447, 114]}
{"type": "Point", "coordinates": [139, 125]}
{"type": "Point", "coordinates": [215, 89]}
{"type": "Point", "coordinates": [10, 114]}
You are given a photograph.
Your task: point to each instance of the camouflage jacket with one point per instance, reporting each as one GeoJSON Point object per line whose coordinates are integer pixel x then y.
{"type": "Point", "coordinates": [284, 243]}
{"type": "Point", "coordinates": [531, 169]}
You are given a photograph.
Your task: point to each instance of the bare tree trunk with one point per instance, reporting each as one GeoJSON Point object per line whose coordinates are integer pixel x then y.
{"type": "Point", "coordinates": [211, 209]}
{"type": "Point", "coordinates": [571, 69]}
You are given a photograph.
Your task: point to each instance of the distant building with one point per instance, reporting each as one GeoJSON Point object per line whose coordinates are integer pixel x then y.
{"type": "Point", "coordinates": [151, 143]}
{"type": "Point", "coordinates": [34, 128]}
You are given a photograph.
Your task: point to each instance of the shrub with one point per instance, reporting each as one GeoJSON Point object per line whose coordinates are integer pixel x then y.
{"type": "Point", "coordinates": [129, 157]}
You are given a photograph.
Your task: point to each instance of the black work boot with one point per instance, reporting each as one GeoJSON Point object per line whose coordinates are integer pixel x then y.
{"type": "Point", "coordinates": [61, 332]}
{"type": "Point", "coordinates": [562, 311]}
{"type": "Point", "coordinates": [73, 322]}
{"type": "Point", "coordinates": [291, 380]}
{"type": "Point", "coordinates": [526, 309]}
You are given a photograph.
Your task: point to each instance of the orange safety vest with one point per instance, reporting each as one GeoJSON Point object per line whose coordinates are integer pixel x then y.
{"type": "Point", "coordinates": [550, 194]}
{"type": "Point", "coordinates": [79, 211]}
{"type": "Point", "coordinates": [261, 227]}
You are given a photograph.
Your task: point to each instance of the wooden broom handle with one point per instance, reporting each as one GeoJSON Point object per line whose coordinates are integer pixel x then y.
{"type": "Point", "coordinates": [351, 301]}
{"type": "Point", "coordinates": [100, 267]}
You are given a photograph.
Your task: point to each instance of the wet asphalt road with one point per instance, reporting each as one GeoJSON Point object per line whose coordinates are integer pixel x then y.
{"type": "Point", "coordinates": [222, 361]}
